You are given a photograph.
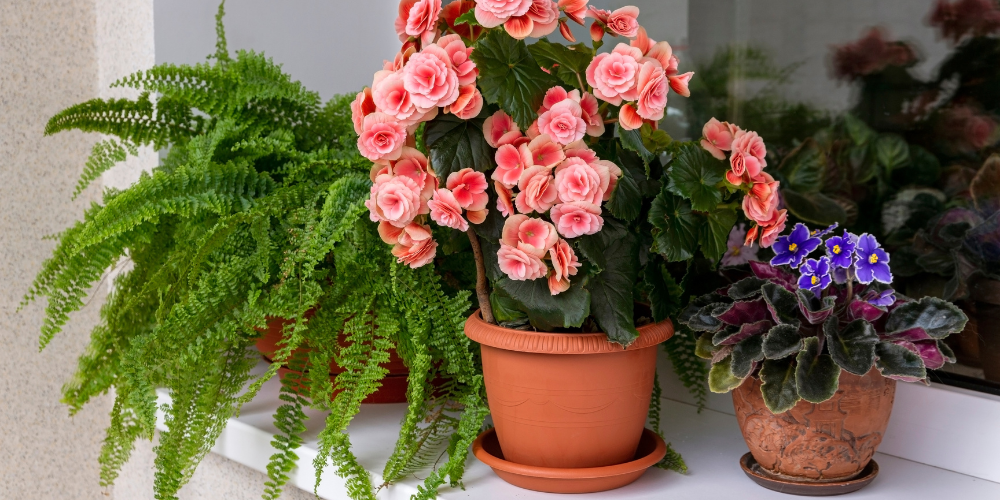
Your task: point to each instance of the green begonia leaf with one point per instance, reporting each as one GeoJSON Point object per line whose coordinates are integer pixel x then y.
{"type": "Point", "coordinates": [714, 235]}
{"type": "Point", "coordinates": [814, 207]}
{"type": "Point", "coordinates": [721, 378]}
{"type": "Point", "coordinates": [568, 63]}
{"type": "Point", "coordinates": [782, 341]}
{"type": "Point", "coordinates": [504, 307]}
{"type": "Point", "coordinates": [467, 18]}
{"type": "Point", "coordinates": [778, 385]}
{"type": "Point", "coordinates": [676, 227]}
{"type": "Point", "coordinates": [626, 199]}
{"type": "Point", "coordinates": [938, 318]}
{"type": "Point", "coordinates": [816, 375]}
{"type": "Point", "coordinates": [510, 77]}
{"type": "Point", "coordinates": [898, 362]}
{"type": "Point", "coordinates": [745, 354]}
{"type": "Point", "coordinates": [546, 311]}
{"type": "Point", "coordinates": [694, 174]}
{"type": "Point", "coordinates": [611, 299]}
{"type": "Point", "coordinates": [455, 144]}
{"type": "Point", "coordinates": [891, 151]}
{"type": "Point", "coordinates": [664, 293]}
{"type": "Point", "coordinates": [804, 167]}
{"type": "Point", "coordinates": [632, 141]}
{"type": "Point", "coordinates": [853, 347]}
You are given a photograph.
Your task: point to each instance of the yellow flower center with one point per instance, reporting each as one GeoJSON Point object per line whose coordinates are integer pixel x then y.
{"type": "Point", "coordinates": [792, 246]}
{"type": "Point", "coordinates": [836, 249]}
{"type": "Point", "coordinates": [873, 259]}
{"type": "Point", "coordinates": [736, 250]}
{"type": "Point", "coordinates": [814, 280]}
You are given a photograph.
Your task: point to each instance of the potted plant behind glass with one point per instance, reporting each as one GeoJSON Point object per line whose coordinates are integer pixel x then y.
{"type": "Point", "coordinates": [548, 158]}
{"type": "Point", "coordinates": [813, 359]}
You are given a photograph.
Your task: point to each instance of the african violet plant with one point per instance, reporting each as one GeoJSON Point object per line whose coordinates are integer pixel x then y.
{"type": "Point", "coordinates": [796, 333]}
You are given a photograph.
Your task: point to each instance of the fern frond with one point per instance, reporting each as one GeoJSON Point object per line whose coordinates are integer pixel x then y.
{"type": "Point", "coordinates": [692, 370]}
{"type": "Point", "coordinates": [139, 122]}
{"type": "Point", "coordinates": [103, 156]}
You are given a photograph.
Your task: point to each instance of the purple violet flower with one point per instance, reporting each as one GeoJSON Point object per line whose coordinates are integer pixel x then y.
{"type": "Point", "coordinates": [819, 233]}
{"type": "Point", "coordinates": [794, 247]}
{"type": "Point", "coordinates": [841, 249]}
{"type": "Point", "coordinates": [872, 263]}
{"type": "Point", "coordinates": [815, 274]}
{"type": "Point", "coordinates": [736, 252]}
{"type": "Point", "coordinates": [885, 298]}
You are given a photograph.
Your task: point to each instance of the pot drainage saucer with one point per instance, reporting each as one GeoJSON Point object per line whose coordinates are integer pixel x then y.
{"type": "Point", "coordinates": [651, 450]}
{"type": "Point", "coordinates": [760, 476]}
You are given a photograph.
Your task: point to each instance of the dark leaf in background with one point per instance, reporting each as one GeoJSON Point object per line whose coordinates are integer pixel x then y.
{"type": "Point", "coordinates": [714, 235]}
{"type": "Point", "coordinates": [746, 288]}
{"type": "Point", "coordinates": [817, 208]}
{"type": "Point", "coordinates": [804, 167]}
{"type": "Point", "coordinates": [891, 152]}
{"type": "Point", "coordinates": [664, 293]}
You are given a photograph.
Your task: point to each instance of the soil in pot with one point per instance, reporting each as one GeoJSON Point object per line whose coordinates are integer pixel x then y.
{"type": "Point", "coordinates": [818, 442]}
{"type": "Point", "coordinates": [567, 400]}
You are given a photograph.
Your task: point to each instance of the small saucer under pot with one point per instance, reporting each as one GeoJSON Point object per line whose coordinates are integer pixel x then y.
{"type": "Point", "coordinates": [651, 450]}
{"type": "Point", "coordinates": [760, 476]}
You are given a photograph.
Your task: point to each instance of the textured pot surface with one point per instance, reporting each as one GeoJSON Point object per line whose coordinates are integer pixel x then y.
{"type": "Point", "coordinates": [567, 400]}
{"type": "Point", "coordinates": [829, 441]}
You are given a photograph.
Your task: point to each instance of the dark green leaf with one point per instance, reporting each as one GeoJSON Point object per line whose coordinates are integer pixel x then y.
{"type": "Point", "coordinates": [816, 375]}
{"type": "Point", "coordinates": [778, 385]}
{"type": "Point", "coordinates": [611, 300]}
{"type": "Point", "coordinates": [704, 320]}
{"type": "Point", "coordinates": [467, 18]}
{"type": "Point", "coordinates": [626, 200]}
{"type": "Point", "coordinates": [632, 141]}
{"type": "Point", "coordinates": [735, 335]}
{"type": "Point", "coordinates": [676, 227]}
{"type": "Point", "coordinates": [664, 292]}
{"type": "Point", "coordinates": [938, 318]}
{"type": "Point", "coordinates": [714, 235]}
{"type": "Point", "coordinates": [721, 378]}
{"type": "Point", "coordinates": [891, 151]}
{"type": "Point", "coordinates": [853, 347]}
{"type": "Point", "coordinates": [745, 354]}
{"type": "Point", "coordinates": [924, 168]}
{"type": "Point", "coordinates": [568, 63]}
{"type": "Point", "coordinates": [746, 288]}
{"type": "Point", "coordinates": [898, 362]}
{"type": "Point", "coordinates": [782, 341]}
{"type": "Point", "coordinates": [814, 207]}
{"type": "Point", "coordinates": [862, 164]}
{"type": "Point", "coordinates": [504, 307]}
{"type": "Point", "coordinates": [859, 131]}
{"type": "Point", "coordinates": [546, 311]}
{"type": "Point", "coordinates": [815, 310]}
{"type": "Point", "coordinates": [949, 355]}
{"type": "Point", "coordinates": [782, 304]}
{"type": "Point", "coordinates": [455, 144]}
{"type": "Point", "coordinates": [694, 174]}
{"type": "Point", "coordinates": [804, 167]}
{"type": "Point", "coordinates": [656, 141]}
{"type": "Point", "coordinates": [510, 77]}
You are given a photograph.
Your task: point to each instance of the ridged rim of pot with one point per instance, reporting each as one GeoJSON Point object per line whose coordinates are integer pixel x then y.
{"type": "Point", "coordinates": [561, 343]}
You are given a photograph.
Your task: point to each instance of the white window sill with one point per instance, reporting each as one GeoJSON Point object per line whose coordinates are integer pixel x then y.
{"type": "Point", "coordinates": [710, 442]}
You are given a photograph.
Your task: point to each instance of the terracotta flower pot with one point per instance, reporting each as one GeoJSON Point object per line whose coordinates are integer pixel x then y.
{"type": "Point", "coordinates": [394, 385]}
{"type": "Point", "coordinates": [567, 400]}
{"type": "Point", "coordinates": [825, 442]}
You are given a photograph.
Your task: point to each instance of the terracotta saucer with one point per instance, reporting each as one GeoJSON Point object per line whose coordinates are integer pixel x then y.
{"type": "Point", "coordinates": [761, 477]}
{"type": "Point", "coordinates": [651, 450]}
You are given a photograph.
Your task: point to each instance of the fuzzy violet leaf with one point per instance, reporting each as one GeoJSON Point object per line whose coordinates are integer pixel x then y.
{"type": "Point", "coordinates": [510, 77]}
{"type": "Point", "coordinates": [746, 288]}
{"type": "Point", "coordinates": [721, 378]}
{"type": "Point", "coordinates": [735, 335]}
{"type": "Point", "coordinates": [782, 304]}
{"type": "Point", "coordinates": [782, 341]}
{"type": "Point", "coordinates": [743, 312]}
{"type": "Point", "coordinates": [746, 355]}
{"type": "Point", "coordinates": [927, 318]}
{"type": "Point", "coordinates": [817, 376]}
{"type": "Point", "coordinates": [897, 362]}
{"type": "Point", "coordinates": [853, 346]}
{"type": "Point", "coordinates": [778, 385]}
{"type": "Point", "coordinates": [815, 309]}
{"type": "Point", "coordinates": [695, 175]}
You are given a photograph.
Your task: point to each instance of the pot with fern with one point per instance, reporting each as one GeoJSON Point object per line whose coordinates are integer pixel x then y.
{"type": "Point", "coordinates": [572, 203]}
{"type": "Point", "coordinates": [813, 359]}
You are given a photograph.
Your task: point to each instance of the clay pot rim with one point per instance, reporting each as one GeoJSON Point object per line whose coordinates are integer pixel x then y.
{"type": "Point", "coordinates": [561, 343]}
{"type": "Point", "coordinates": [635, 465]}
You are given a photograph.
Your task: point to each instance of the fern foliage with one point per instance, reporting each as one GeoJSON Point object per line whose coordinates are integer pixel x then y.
{"type": "Point", "coordinates": [256, 212]}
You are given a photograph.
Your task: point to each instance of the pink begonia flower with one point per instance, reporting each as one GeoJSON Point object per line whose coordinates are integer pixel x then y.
{"type": "Point", "coordinates": [544, 15]}
{"type": "Point", "coordinates": [391, 98]}
{"type": "Point", "coordinates": [671, 67]}
{"type": "Point", "coordinates": [566, 32]}
{"type": "Point", "coordinates": [592, 115]}
{"type": "Point", "coordinates": [563, 122]}
{"type": "Point", "coordinates": [530, 235]}
{"type": "Point", "coordinates": [544, 152]}
{"type": "Point", "coordinates": [752, 236]}
{"type": "Point", "coordinates": [413, 164]}
{"type": "Point", "coordinates": [679, 83]}
{"type": "Point", "coordinates": [578, 181]}
{"type": "Point", "coordinates": [459, 54]}
{"type": "Point", "coordinates": [760, 203]}
{"type": "Point", "coordinates": [771, 232]}
{"type": "Point", "coordinates": [717, 137]}
{"type": "Point", "coordinates": [505, 202]}
{"type": "Point", "coordinates": [500, 129]}
{"type": "Point", "coordinates": [613, 76]}
{"type": "Point", "coordinates": [652, 84]}
{"type": "Point", "coordinates": [581, 151]}
{"type": "Point", "coordinates": [577, 218]}
{"type": "Point", "coordinates": [642, 41]}
{"type": "Point", "coordinates": [629, 118]}
{"type": "Point", "coordinates": [596, 31]}
{"type": "Point", "coordinates": [538, 191]}
{"type": "Point", "coordinates": [382, 137]}
{"type": "Point", "coordinates": [554, 96]}
{"type": "Point", "coordinates": [564, 265]}
{"type": "Point", "coordinates": [493, 13]}
{"type": "Point", "coordinates": [430, 78]}
{"type": "Point", "coordinates": [469, 103]}
{"type": "Point", "coordinates": [599, 15]}
{"type": "Point", "coordinates": [609, 173]}
{"type": "Point", "coordinates": [664, 54]}
{"type": "Point", "coordinates": [624, 21]}
{"type": "Point", "coordinates": [477, 216]}
{"type": "Point", "coordinates": [419, 19]}
{"type": "Point", "coordinates": [748, 154]}
{"type": "Point", "coordinates": [388, 232]}
{"type": "Point", "coordinates": [395, 200]}
{"type": "Point", "coordinates": [446, 211]}
{"type": "Point", "coordinates": [511, 163]}
{"type": "Point", "coordinates": [469, 188]}
{"type": "Point", "coordinates": [519, 265]}
{"type": "Point", "coordinates": [415, 247]}
{"type": "Point", "coordinates": [398, 62]}
{"type": "Point", "coordinates": [574, 9]}
{"type": "Point", "coordinates": [362, 106]}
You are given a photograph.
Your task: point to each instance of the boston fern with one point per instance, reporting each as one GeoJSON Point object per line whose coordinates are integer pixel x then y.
{"type": "Point", "coordinates": [255, 213]}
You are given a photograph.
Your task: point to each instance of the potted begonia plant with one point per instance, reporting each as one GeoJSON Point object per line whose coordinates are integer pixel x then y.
{"type": "Point", "coordinates": [813, 359]}
{"type": "Point", "coordinates": [548, 157]}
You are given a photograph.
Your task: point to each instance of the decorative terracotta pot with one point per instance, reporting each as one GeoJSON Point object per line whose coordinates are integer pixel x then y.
{"type": "Point", "coordinates": [986, 294]}
{"type": "Point", "coordinates": [394, 385]}
{"type": "Point", "coordinates": [566, 400]}
{"type": "Point", "coordinates": [818, 442]}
